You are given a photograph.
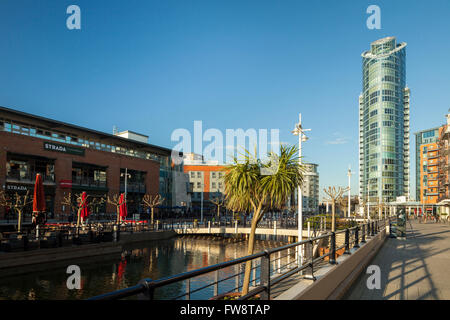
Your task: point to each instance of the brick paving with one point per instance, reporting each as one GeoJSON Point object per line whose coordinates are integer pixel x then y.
{"type": "Point", "coordinates": [417, 268]}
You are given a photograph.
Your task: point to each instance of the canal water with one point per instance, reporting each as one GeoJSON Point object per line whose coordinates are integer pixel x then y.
{"type": "Point", "coordinates": [154, 259]}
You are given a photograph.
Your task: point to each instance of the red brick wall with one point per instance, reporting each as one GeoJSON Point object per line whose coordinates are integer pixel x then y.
{"type": "Point", "coordinates": [21, 144]}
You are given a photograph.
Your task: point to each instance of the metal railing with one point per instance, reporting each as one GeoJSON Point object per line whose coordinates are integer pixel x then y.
{"type": "Point", "coordinates": [88, 182]}
{"type": "Point", "coordinates": [29, 176]}
{"type": "Point", "coordinates": [268, 267]}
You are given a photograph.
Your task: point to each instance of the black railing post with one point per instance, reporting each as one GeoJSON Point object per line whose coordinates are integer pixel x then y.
{"type": "Point", "coordinates": [371, 229]}
{"type": "Point", "coordinates": [149, 290]}
{"type": "Point", "coordinates": [312, 260]}
{"type": "Point", "coordinates": [356, 237]}
{"type": "Point", "coordinates": [363, 234]}
{"type": "Point", "coordinates": [332, 257]}
{"type": "Point", "coordinates": [265, 275]}
{"type": "Point", "coordinates": [347, 241]}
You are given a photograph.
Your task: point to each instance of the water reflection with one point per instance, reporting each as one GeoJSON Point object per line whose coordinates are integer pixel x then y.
{"type": "Point", "coordinates": [155, 260]}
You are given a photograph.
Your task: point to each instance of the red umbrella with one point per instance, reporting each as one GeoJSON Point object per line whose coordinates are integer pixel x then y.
{"type": "Point", "coordinates": [39, 196]}
{"type": "Point", "coordinates": [84, 208]}
{"type": "Point", "coordinates": [123, 207]}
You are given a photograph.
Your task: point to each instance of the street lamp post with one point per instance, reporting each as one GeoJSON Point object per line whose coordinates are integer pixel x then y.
{"type": "Point", "coordinates": [299, 131]}
{"type": "Point", "coordinates": [349, 178]}
{"type": "Point", "coordinates": [201, 203]}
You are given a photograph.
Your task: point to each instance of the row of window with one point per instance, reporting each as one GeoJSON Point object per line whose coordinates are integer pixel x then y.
{"type": "Point", "coordinates": [85, 142]}
{"type": "Point", "coordinates": [199, 174]}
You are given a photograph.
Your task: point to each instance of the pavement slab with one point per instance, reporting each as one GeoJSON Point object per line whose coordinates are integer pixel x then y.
{"type": "Point", "coordinates": [412, 269]}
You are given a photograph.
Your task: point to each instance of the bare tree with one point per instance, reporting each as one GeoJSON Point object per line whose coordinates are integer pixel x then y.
{"type": "Point", "coordinates": [96, 203]}
{"type": "Point", "coordinates": [149, 201]}
{"type": "Point", "coordinates": [17, 203]}
{"type": "Point", "coordinates": [381, 207]}
{"type": "Point", "coordinates": [218, 201]}
{"type": "Point", "coordinates": [76, 205]}
{"type": "Point", "coordinates": [115, 201]}
{"type": "Point", "coordinates": [334, 197]}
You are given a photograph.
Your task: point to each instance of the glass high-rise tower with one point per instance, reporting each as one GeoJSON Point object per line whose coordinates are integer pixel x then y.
{"type": "Point", "coordinates": [384, 123]}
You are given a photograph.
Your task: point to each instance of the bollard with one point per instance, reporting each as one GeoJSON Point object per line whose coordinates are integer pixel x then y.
{"type": "Point", "coordinates": [235, 227]}
{"type": "Point", "coordinates": [116, 233]}
{"type": "Point", "coordinates": [209, 226]}
{"type": "Point", "coordinates": [275, 228]}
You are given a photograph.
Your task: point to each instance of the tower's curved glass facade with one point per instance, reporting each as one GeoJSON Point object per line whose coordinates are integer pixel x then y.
{"type": "Point", "coordinates": [384, 123]}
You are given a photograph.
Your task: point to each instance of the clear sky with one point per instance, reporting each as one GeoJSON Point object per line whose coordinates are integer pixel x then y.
{"type": "Point", "coordinates": [155, 66]}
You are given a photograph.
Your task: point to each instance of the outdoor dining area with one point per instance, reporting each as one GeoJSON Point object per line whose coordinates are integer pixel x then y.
{"type": "Point", "coordinates": [43, 235]}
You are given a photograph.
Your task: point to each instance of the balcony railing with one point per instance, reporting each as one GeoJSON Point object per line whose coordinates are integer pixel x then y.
{"type": "Point", "coordinates": [133, 187]}
{"type": "Point", "coordinates": [29, 177]}
{"type": "Point", "coordinates": [88, 182]}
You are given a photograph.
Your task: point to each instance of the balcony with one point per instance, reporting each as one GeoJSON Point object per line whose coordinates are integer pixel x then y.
{"type": "Point", "coordinates": [29, 177]}
{"type": "Point", "coordinates": [88, 183]}
{"type": "Point", "coordinates": [137, 187]}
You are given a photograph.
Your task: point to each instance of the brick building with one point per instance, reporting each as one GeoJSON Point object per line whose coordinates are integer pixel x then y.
{"type": "Point", "coordinates": [73, 159]}
{"type": "Point", "coordinates": [427, 166]}
{"type": "Point", "coordinates": [205, 177]}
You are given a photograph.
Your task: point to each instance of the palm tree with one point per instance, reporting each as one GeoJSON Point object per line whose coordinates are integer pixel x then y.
{"type": "Point", "coordinates": [249, 186]}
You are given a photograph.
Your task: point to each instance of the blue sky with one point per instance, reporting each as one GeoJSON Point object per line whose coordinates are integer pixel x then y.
{"type": "Point", "coordinates": [155, 66]}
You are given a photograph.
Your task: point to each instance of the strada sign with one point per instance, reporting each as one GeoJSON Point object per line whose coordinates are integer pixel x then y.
{"type": "Point", "coordinates": [62, 148]}
{"type": "Point", "coordinates": [13, 187]}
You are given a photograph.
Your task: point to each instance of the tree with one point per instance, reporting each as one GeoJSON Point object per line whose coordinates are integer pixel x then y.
{"type": "Point", "coordinates": [76, 205]}
{"type": "Point", "coordinates": [149, 201]}
{"type": "Point", "coordinates": [115, 201]}
{"type": "Point", "coordinates": [249, 186]}
{"type": "Point", "coordinates": [17, 203]}
{"type": "Point", "coordinates": [381, 207]}
{"type": "Point", "coordinates": [219, 201]}
{"type": "Point", "coordinates": [335, 198]}
{"type": "Point", "coordinates": [96, 203]}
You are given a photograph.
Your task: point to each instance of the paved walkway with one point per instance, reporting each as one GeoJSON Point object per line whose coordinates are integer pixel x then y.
{"type": "Point", "coordinates": [413, 269]}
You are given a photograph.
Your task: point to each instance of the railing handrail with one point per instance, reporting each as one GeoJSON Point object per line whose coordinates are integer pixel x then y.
{"type": "Point", "coordinates": [149, 284]}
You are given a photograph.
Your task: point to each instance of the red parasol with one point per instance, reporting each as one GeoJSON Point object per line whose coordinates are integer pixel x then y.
{"type": "Point", "coordinates": [123, 207]}
{"type": "Point", "coordinates": [39, 196]}
{"type": "Point", "coordinates": [84, 209]}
